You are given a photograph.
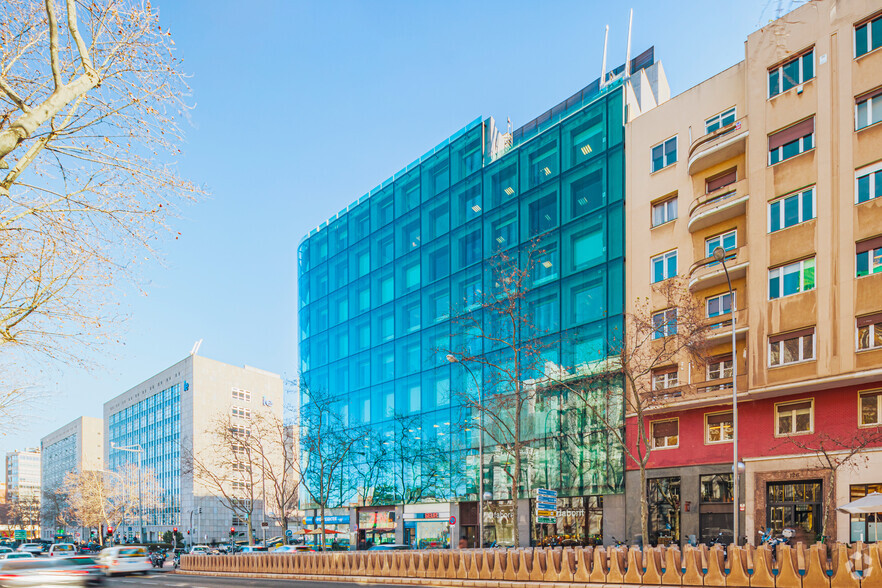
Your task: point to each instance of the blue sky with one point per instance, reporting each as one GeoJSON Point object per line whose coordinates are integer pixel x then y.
{"type": "Point", "coordinates": [302, 107]}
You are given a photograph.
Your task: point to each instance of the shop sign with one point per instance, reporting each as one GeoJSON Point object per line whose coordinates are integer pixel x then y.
{"type": "Point", "coordinates": [329, 520]}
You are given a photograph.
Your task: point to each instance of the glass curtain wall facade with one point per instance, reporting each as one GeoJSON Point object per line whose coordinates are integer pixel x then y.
{"type": "Point", "coordinates": [380, 286]}
{"type": "Point", "coordinates": [155, 424]}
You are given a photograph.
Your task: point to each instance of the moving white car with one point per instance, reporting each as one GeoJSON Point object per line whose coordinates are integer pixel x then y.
{"type": "Point", "coordinates": [200, 550]}
{"type": "Point", "coordinates": [124, 559]}
{"type": "Point", "coordinates": [58, 549]}
{"type": "Point", "coordinates": [33, 548]}
{"type": "Point", "coordinates": [16, 555]}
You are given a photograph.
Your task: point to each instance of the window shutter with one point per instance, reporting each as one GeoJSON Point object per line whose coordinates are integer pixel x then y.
{"type": "Point", "coordinates": [870, 319]}
{"type": "Point", "coordinates": [724, 179]}
{"type": "Point", "coordinates": [664, 428]}
{"type": "Point", "coordinates": [869, 244]}
{"type": "Point", "coordinates": [671, 369]}
{"type": "Point", "coordinates": [868, 95]}
{"type": "Point", "coordinates": [717, 419]}
{"type": "Point", "coordinates": [800, 129]}
{"type": "Point", "coordinates": [791, 335]}
{"type": "Point", "coordinates": [795, 406]}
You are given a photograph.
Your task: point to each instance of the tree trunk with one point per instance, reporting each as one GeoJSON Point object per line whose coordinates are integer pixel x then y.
{"type": "Point", "coordinates": [644, 506]}
{"type": "Point", "coordinates": [250, 530]}
{"type": "Point", "coordinates": [322, 539]}
{"type": "Point", "coordinates": [515, 479]}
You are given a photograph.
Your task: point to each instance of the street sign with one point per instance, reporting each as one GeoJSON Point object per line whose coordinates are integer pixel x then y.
{"type": "Point", "coordinates": [546, 506]}
{"type": "Point", "coordinates": [289, 533]}
{"type": "Point", "coordinates": [264, 524]}
{"type": "Point", "coordinates": [20, 535]}
{"type": "Point", "coordinates": [452, 520]}
{"type": "Point", "coordinates": [545, 492]}
{"type": "Point", "coordinates": [543, 504]}
{"type": "Point", "coordinates": [546, 513]}
{"type": "Point", "coordinates": [546, 520]}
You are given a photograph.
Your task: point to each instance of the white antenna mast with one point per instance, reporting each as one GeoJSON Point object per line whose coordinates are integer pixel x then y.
{"type": "Point", "coordinates": [196, 346]}
{"type": "Point", "coordinates": [603, 65]}
{"type": "Point", "coordinates": [628, 55]}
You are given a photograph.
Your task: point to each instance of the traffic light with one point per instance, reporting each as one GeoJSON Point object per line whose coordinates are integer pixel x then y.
{"type": "Point", "coordinates": [110, 530]}
{"type": "Point", "coordinates": [232, 531]}
{"type": "Point", "coordinates": [176, 531]}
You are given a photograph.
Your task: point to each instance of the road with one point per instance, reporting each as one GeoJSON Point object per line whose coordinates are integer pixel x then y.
{"type": "Point", "coordinates": [184, 581]}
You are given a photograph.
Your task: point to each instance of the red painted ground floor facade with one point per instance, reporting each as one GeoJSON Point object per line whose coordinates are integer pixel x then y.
{"type": "Point", "coordinates": [785, 481]}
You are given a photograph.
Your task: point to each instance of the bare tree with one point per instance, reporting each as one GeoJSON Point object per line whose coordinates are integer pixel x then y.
{"type": "Point", "coordinates": [274, 447]}
{"type": "Point", "coordinates": [89, 96]}
{"type": "Point", "coordinates": [655, 336]}
{"type": "Point", "coordinates": [105, 498]}
{"type": "Point", "coordinates": [499, 340]}
{"type": "Point", "coordinates": [54, 508]}
{"type": "Point", "coordinates": [229, 468]}
{"type": "Point", "coordinates": [326, 443]}
{"type": "Point", "coordinates": [834, 453]}
{"type": "Point", "coordinates": [24, 512]}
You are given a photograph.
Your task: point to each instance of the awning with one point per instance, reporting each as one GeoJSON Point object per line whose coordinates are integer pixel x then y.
{"type": "Point", "coordinates": [871, 503]}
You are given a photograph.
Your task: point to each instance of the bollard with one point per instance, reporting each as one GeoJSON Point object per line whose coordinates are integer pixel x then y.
{"type": "Point", "coordinates": [634, 575]}
{"type": "Point", "coordinates": [672, 575]}
{"type": "Point", "coordinates": [584, 556]}
{"type": "Point", "coordinates": [616, 573]}
{"type": "Point", "coordinates": [693, 575]}
{"type": "Point", "coordinates": [844, 575]}
{"type": "Point", "coordinates": [652, 569]}
{"type": "Point", "coordinates": [788, 576]}
{"type": "Point", "coordinates": [552, 565]}
{"type": "Point", "coordinates": [599, 569]}
{"type": "Point", "coordinates": [816, 567]}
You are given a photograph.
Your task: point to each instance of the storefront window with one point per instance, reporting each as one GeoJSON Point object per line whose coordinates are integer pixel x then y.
{"type": "Point", "coordinates": [498, 524]}
{"type": "Point", "coordinates": [664, 510]}
{"type": "Point", "coordinates": [865, 527]}
{"type": "Point", "coordinates": [715, 509]}
{"type": "Point", "coordinates": [579, 522]}
{"type": "Point", "coordinates": [795, 505]}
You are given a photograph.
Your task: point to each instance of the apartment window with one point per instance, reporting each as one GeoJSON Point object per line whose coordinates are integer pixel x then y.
{"type": "Point", "coordinates": [792, 418]}
{"type": "Point", "coordinates": [791, 141]}
{"type": "Point", "coordinates": [868, 36]}
{"type": "Point", "coordinates": [664, 323]}
{"type": "Point", "coordinates": [869, 331]}
{"type": "Point", "coordinates": [868, 109]}
{"type": "Point", "coordinates": [240, 412]}
{"type": "Point", "coordinates": [868, 183]}
{"type": "Point", "coordinates": [728, 241]}
{"type": "Point", "coordinates": [792, 278]}
{"type": "Point", "coordinates": [792, 209]}
{"type": "Point", "coordinates": [239, 486]}
{"type": "Point", "coordinates": [664, 212]}
{"type": "Point", "coordinates": [793, 347]}
{"type": "Point", "coordinates": [665, 433]}
{"type": "Point", "coordinates": [791, 73]}
{"type": "Point", "coordinates": [664, 154]}
{"type": "Point", "coordinates": [718, 305]}
{"type": "Point", "coordinates": [718, 121]}
{"type": "Point", "coordinates": [718, 427]}
{"type": "Point", "coordinates": [868, 258]}
{"type": "Point", "coordinates": [238, 448]}
{"type": "Point", "coordinates": [721, 180]}
{"type": "Point", "coordinates": [240, 431]}
{"type": "Point", "coordinates": [243, 395]}
{"type": "Point", "coordinates": [665, 378]}
{"type": "Point", "coordinates": [871, 407]}
{"type": "Point", "coordinates": [240, 466]}
{"type": "Point", "coordinates": [664, 266]}
{"type": "Point", "coordinates": [719, 368]}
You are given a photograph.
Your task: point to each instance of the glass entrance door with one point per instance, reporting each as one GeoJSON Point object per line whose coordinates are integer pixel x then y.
{"type": "Point", "coordinates": [795, 505]}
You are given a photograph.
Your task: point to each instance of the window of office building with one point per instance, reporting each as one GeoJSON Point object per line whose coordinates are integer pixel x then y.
{"type": "Point", "coordinates": [791, 73]}
{"type": "Point", "coordinates": [794, 417]}
{"type": "Point", "coordinates": [794, 505]}
{"type": "Point", "coordinates": [664, 212]}
{"type": "Point", "coordinates": [792, 278]}
{"type": "Point", "coordinates": [792, 347]}
{"type": "Point", "coordinates": [243, 395]}
{"type": "Point", "coordinates": [718, 121]}
{"type": "Point", "coordinates": [868, 258]}
{"type": "Point", "coordinates": [867, 36]}
{"type": "Point", "coordinates": [792, 209]}
{"type": "Point", "coordinates": [791, 141]}
{"type": "Point", "coordinates": [240, 412]}
{"type": "Point", "coordinates": [869, 331]}
{"type": "Point", "coordinates": [664, 154]}
{"type": "Point", "coordinates": [868, 183]}
{"type": "Point", "coordinates": [664, 266]}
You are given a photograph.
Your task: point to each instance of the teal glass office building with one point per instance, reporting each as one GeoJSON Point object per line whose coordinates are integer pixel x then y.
{"type": "Point", "coordinates": [380, 284]}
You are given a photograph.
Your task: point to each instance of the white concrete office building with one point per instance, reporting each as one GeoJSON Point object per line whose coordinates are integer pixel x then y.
{"type": "Point", "coordinates": [169, 416]}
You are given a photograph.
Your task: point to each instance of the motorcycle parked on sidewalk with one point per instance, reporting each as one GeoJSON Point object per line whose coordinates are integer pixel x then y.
{"type": "Point", "coordinates": [766, 537]}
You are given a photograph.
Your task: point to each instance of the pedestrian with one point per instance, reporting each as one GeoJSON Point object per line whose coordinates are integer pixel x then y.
{"type": "Point", "coordinates": [463, 543]}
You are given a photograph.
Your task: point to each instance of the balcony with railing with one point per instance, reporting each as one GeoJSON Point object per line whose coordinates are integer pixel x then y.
{"type": "Point", "coordinates": [718, 146]}
{"type": "Point", "coordinates": [720, 326]}
{"type": "Point", "coordinates": [708, 272]}
{"type": "Point", "coordinates": [717, 206]}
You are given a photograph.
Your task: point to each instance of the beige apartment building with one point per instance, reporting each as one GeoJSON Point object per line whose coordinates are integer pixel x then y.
{"type": "Point", "coordinates": [778, 160]}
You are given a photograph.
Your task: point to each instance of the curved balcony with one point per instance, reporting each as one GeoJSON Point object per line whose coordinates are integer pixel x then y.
{"type": "Point", "coordinates": [721, 326]}
{"type": "Point", "coordinates": [717, 147]}
{"type": "Point", "coordinates": [708, 272]}
{"type": "Point", "coordinates": [727, 202]}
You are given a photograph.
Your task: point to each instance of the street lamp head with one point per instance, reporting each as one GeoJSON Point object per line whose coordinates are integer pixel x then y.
{"type": "Point", "coordinates": [488, 496]}
{"type": "Point", "coordinates": [451, 358]}
{"type": "Point", "coordinates": [719, 253]}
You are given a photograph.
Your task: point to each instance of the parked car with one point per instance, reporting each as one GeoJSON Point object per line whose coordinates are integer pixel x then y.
{"type": "Point", "coordinates": [4, 549]}
{"type": "Point", "coordinates": [389, 547]}
{"type": "Point", "coordinates": [253, 549]}
{"type": "Point", "coordinates": [65, 549]}
{"type": "Point", "coordinates": [200, 550]}
{"type": "Point", "coordinates": [67, 571]}
{"type": "Point", "coordinates": [34, 548]}
{"type": "Point", "coordinates": [124, 559]}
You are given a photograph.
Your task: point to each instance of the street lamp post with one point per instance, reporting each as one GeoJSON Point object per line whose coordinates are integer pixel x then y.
{"type": "Point", "coordinates": [139, 450]}
{"type": "Point", "coordinates": [453, 359]}
{"type": "Point", "coordinates": [720, 255]}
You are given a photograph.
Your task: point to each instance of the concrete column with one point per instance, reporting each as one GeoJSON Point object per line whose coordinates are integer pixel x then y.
{"type": "Point", "coordinates": [353, 528]}
{"type": "Point", "coordinates": [456, 528]}
{"type": "Point", "coordinates": [524, 516]}
{"type": "Point", "coordinates": [614, 511]}
{"type": "Point", "coordinates": [399, 524]}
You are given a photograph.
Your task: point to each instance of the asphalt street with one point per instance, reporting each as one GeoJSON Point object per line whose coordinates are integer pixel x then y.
{"type": "Point", "coordinates": [185, 581]}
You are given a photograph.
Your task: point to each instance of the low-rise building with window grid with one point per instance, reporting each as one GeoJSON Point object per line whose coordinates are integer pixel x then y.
{"type": "Point", "coordinates": [779, 166]}
{"type": "Point", "coordinates": [170, 416]}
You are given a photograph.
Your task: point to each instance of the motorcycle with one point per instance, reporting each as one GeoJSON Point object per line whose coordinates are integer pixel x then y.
{"type": "Point", "coordinates": [766, 537]}
{"type": "Point", "coordinates": [157, 558]}
{"type": "Point", "coordinates": [176, 561]}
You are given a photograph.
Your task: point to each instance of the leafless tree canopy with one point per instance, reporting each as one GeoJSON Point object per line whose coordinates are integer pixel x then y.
{"type": "Point", "coordinates": [90, 93]}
